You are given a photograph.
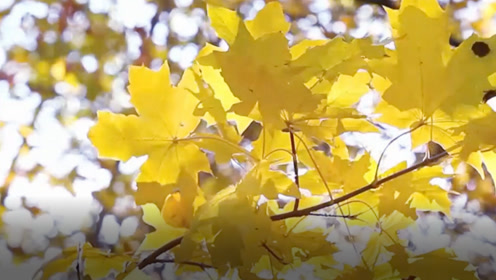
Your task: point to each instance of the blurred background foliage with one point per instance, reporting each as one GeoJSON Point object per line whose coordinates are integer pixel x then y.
{"type": "Point", "coordinates": [61, 61]}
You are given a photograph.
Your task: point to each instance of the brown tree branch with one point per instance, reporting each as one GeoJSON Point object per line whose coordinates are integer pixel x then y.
{"type": "Point", "coordinates": [373, 185]}
{"type": "Point", "coordinates": [152, 258]}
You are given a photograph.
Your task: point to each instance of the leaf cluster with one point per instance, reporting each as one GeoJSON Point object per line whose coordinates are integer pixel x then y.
{"type": "Point", "coordinates": [275, 115]}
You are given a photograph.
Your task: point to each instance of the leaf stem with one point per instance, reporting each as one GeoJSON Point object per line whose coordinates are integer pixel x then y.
{"type": "Point", "coordinates": [201, 137]}
{"type": "Point", "coordinates": [389, 144]}
{"type": "Point", "coordinates": [277, 150]}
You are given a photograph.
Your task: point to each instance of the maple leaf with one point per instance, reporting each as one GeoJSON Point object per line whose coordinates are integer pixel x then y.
{"type": "Point", "coordinates": [438, 264]}
{"type": "Point", "coordinates": [386, 234]}
{"type": "Point", "coordinates": [152, 192]}
{"type": "Point", "coordinates": [225, 145]}
{"type": "Point", "coordinates": [293, 245]}
{"type": "Point", "coordinates": [393, 195]}
{"type": "Point", "coordinates": [337, 113]}
{"type": "Point", "coordinates": [165, 120]}
{"type": "Point", "coordinates": [429, 82]}
{"type": "Point", "coordinates": [320, 62]}
{"type": "Point", "coordinates": [229, 242]}
{"type": "Point", "coordinates": [477, 144]}
{"type": "Point", "coordinates": [478, 133]}
{"type": "Point", "coordinates": [131, 273]}
{"type": "Point", "coordinates": [208, 102]}
{"type": "Point", "coordinates": [270, 183]}
{"type": "Point", "coordinates": [163, 232]}
{"type": "Point", "coordinates": [337, 173]}
{"type": "Point", "coordinates": [335, 176]}
{"type": "Point", "coordinates": [179, 207]}
{"type": "Point", "coordinates": [356, 273]}
{"type": "Point", "coordinates": [59, 265]}
{"type": "Point", "coordinates": [215, 96]}
{"type": "Point", "coordinates": [97, 264]}
{"type": "Point", "coordinates": [270, 19]}
{"type": "Point", "coordinates": [224, 21]}
{"type": "Point", "coordinates": [191, 249]}
{"type": "Point", "coordinates": [291, 242]}
{"type": "Point", "coordinates": [412, 192]}
{"type": "Point", "coordinates": [275, 146]}
{"type": "Point", "coordinates": [332, 68]}
{"type": "Point", "coordinates": [484, 192]}
{"type": "Point", "coordinates": [263, 51]}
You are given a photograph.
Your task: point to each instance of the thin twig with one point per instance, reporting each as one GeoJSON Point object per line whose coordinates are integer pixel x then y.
{"type": "Point", "coordinates": [201, 265]}
{"type": "Point", "coordinates": [272, 253]}
{"type": "Point", "coordinates": [349, 216]}
{"type": "Point", "coordinates": [295, 167]}
{"type": "Point", "coordinates": [78, 258]}
{"type": "Point", "coordinates": [324, 181]}
{"type": "Point", "coordinates": [389, 144]}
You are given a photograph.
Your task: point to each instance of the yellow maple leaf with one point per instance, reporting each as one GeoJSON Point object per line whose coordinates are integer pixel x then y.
{"type": "Point", "coordinates": [99, 265]}
{"type": "Point", "coordinates": [432, 87]}
{"type": "Point", "coordinates": [152, 192]}
{"type": "Point", "coordinates": [165, 118]}
{"type": "Point", "coordinates": [478, 142]}
{"type": "Point", "coordinates": [274, 145]}
{"type": "Point", "coordinates": [174, 213]}
{"type": "Point", "coordinates": [270, 183]}
{"type": "Point", "coordinates": [330, 69]}
{"type": "Point", "coordinates": [413, 191]}
{"type": "Point", "coordinates": [163, 232]}
{"type": "Point", "coordinates": [229, 242]}
{"type": "Point", "coordinates": [479, 133]}
{"type": "Point", "coordinates": [356, 274]}
{"type": "Point", "coordinates": [295, 240]}
{"type": "Point", "coordinates": [135, 274]}
{"type": "Point", "coordinates": [212, 107]}
{"type": "Point", "coordinates": [437, 264]}
{"type": "Point", "coordinates": [290, 245]}
{"type": "Point", "coordinates": [57, 266]}
{"type": "Point", "coordinates": [224, 21]}
{"type": "Point", "coordinates": [324, 61]}
{"type": "Point", "coordinates": [179, 207]}
{"type": "Point", "coordinates": [268, 20]}
{"type": "Point", "coordinates": [214, 94]}
{"type": "Point", "coordinates": [338, 173]}
{"type": "Point", "coordinates": [263, 51]}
